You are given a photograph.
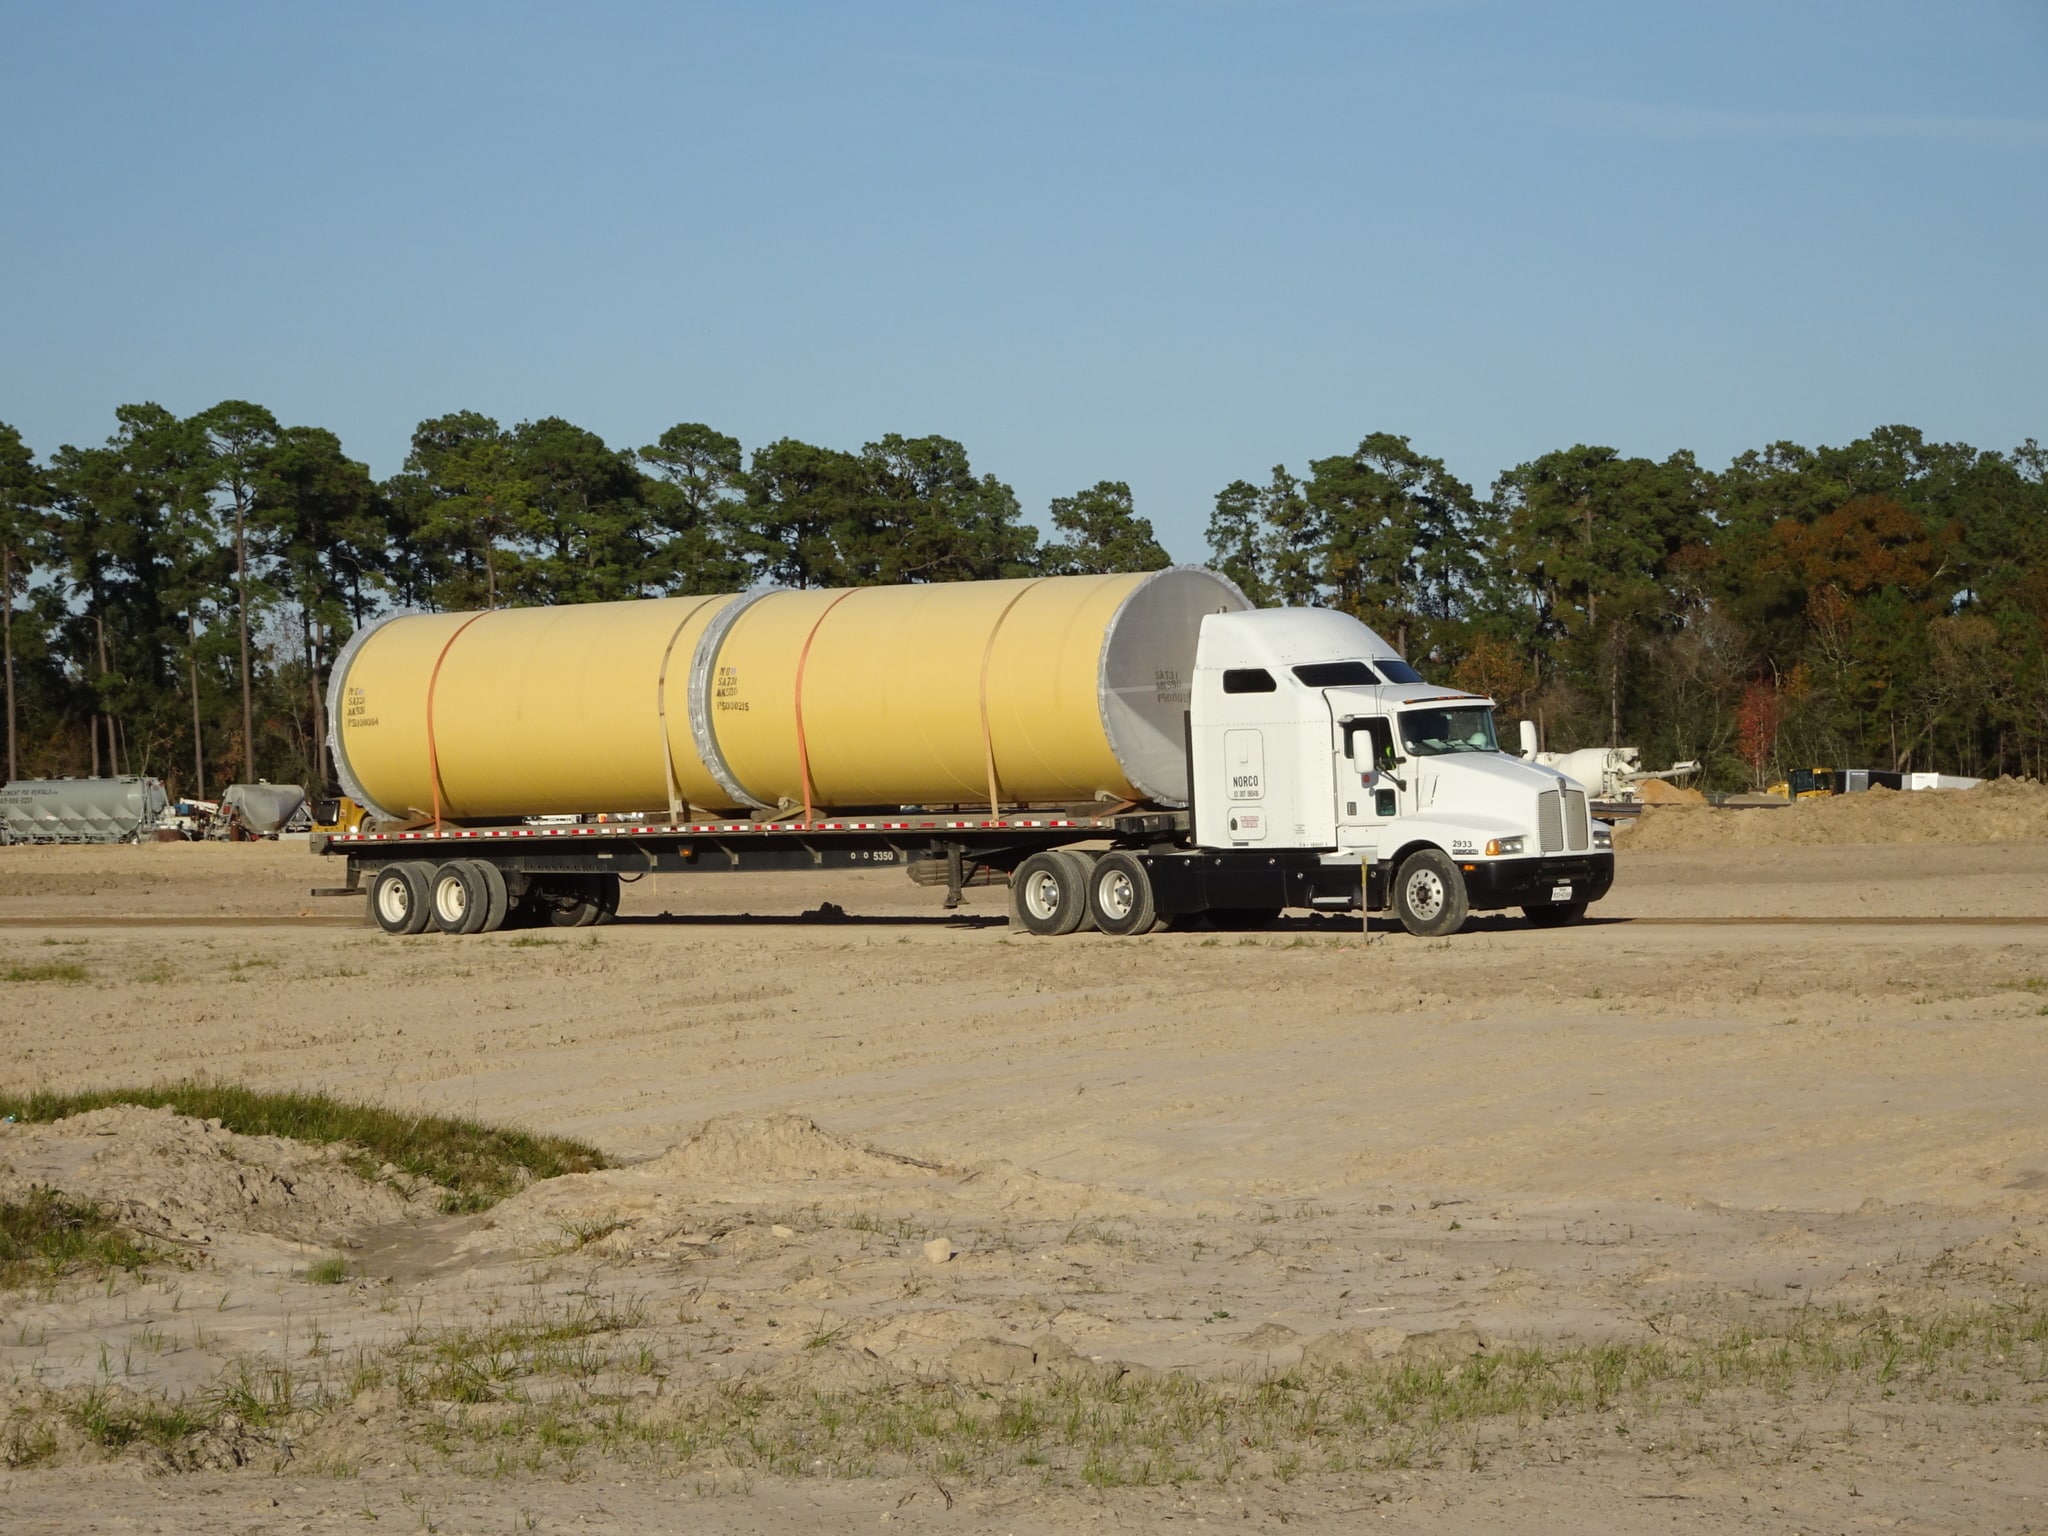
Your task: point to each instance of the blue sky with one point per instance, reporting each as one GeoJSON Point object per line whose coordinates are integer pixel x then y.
{"type": "Point", "coordinates": [1173, 242]}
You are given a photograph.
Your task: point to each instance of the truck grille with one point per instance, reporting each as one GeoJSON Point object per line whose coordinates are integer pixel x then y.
{"type": "Point", "coordinates": [1577, 830]}
{"type": "Point", "coordinates": [1549, 822]}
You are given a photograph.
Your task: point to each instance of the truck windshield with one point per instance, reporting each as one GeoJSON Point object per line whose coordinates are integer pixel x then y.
{"type": "Point", "coordinates": [1457, 728]}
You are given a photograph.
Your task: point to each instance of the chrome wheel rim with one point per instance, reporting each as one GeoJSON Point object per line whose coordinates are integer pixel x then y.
{"type": "Point", "coordinates": [1042, 896]}
{"type": "Point", "coordinates": [1425, 893]}
{"type": "Point", "coordinates": [1117, 895]}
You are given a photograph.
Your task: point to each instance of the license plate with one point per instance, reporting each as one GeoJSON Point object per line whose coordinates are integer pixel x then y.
{"type": "Point", "coordinates": [1560, 893]}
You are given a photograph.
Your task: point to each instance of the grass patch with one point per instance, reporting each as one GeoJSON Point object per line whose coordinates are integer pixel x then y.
{"type": "Point", "coordinates": [115, 1422]}
{"type": "Point", "coordinates": [478, 1165]}
{"type": "Point", "coordinates": [46, 970]}
{"type": "Point", "coordinates": [578, 1235]}
{"type": "Point", "coordinates": [486, 1392]}
{"type": "Point", "coordinates": [46, 1236]}
{"type": "Point", "coordinates": [329, 1271]}
{"type": "Point", "coordinates": [560, 1382]}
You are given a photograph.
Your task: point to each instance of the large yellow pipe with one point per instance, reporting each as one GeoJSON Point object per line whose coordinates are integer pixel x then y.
{"type": "Point", "coordinates": [1055, 689]}
{"type": "Point", "coordinates": [536, 711]}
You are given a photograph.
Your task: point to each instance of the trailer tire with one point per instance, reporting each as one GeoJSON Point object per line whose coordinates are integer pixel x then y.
{"type": "Point", "coordinates": [399, 897]}
{"type": "Point", "coordinates": [607, 889]}
{"type": "Point", "coordinates": [498, 899]}
{"type": "Point", "coordinates": [1559, 914]}
{"type": "Point", "coordinates": [1120, 895]}
{"type": "Point", "coordinates": [461, 898]}
{"type": "Point", "coordinates": [1429, 894]}
{"type": "Point", "coordinates": [570, 901]}
{"type": "Point", "coordinates": [1084, 868]}
{"type": "Point", "coordinates": [1049, 894]}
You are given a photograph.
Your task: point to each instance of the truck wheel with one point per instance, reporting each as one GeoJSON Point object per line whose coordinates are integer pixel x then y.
{"type": "Point", "coordinates": [461, 900]}
{"type": "Point", "coordinates": [498, 900]}
{"type": "Point", "coordinates": [399, 898]}
{"type": "Point", "coordinates": [1120, 895]}
{"type": "Point", "coordinates": [1429, 894]}
{"type": "Point", "coordinates": [1083, 867]}
{"type": "Point", "coordinates": [607, 890]}
{"type": "Point", "coordinates": [1556, 914]}
{"type": "Point", "coordinates": [1049, 894]}
{"type": "Point", "coordinates": [570, 901]}
{"type": "Point", "coordinates": [1242, 919]}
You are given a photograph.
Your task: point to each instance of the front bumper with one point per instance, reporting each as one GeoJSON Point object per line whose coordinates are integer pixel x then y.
{"type": "Point", "coordinates": [1491, 884]}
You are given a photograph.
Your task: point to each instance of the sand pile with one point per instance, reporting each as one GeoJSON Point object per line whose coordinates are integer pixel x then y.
{"type": "Point", "coordinates": [170, 1176]}
{"type": "Point", "coordinates": [1657, 792]}
{"type": "Point", "coordinates": [775, 1149]}
{"type": "Point", "coordinates": [2003, 811]}
{"type": "Point", "coordinates": [734, 1160]}
{"type": "Point", "coordinates": [735, 1167]}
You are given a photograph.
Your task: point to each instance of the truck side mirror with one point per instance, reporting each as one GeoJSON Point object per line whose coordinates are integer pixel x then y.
{"type": "Point", "coordinates": [1382, 743]}
{"type": "Point", "coordinates": [1378, 750]}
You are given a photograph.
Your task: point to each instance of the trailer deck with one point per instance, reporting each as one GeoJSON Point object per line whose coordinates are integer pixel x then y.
{"type": "Point", "coordinates": [955, 846]}
{"type": "Point", "coordinates": [570, 873]}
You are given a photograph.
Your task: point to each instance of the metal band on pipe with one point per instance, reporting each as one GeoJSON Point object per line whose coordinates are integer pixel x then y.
{"type": "Point", "coordinates": [703, 689]}
{"type": "Point", "coordinates": [988, 746]}
{"type": "Point", "coordinates": [433, 681]}
{"type": "Point", "coordinates": [668, 755]}
{"type": "Point", "coordinates": [803, 750]}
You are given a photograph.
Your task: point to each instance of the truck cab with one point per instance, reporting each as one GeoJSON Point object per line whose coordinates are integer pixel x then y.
{"type": "Point", "coordinates": [1310, 735]}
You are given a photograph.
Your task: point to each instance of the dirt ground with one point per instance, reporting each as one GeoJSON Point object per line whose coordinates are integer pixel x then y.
{"type": "Point", "coordinates": [1187, 1164]}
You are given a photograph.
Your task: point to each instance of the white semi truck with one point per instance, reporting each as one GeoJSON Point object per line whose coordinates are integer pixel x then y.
{"type": "Point", "coordinates": [1311, 735]}
{"type": "Point", "coordinates": [1241, 762]}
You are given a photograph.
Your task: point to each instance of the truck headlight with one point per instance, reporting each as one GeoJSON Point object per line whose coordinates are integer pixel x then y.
{"type": "Point", "coordinates": [1499, 846]}
{"type": "Point", "coordinates": [1603, 835]}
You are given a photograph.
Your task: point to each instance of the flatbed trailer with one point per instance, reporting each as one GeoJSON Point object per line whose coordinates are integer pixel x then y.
{"type": "Point", "coordinates": [479, 879]}
{"type": "Point", "coordinates": [1308, 767]}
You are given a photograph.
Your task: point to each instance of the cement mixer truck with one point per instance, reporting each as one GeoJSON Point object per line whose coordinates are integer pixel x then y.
{"type": "Point", "coordinates": [1122, 751]}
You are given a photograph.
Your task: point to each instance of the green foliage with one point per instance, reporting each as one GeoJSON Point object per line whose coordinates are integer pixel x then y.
{"type": "Point", "coordinates": [45, 1236]}
{"type": "Point", "coordinates": [46, 970]}
{"type": "Point", "coordinates": [1101, 533]}
{"type": "Point", "coordinates": [694, 503]}
{"type": "Point", "coordinates": [477, 1164]}
{"type": "Point", "coordinates": [23, 537]}
{"type": "Point", "coordinates": [468, 505]}
{"type": "Point", "coordinates": [1395, 535]}
{"type": "Point", "coordinates": [902, 509]}
{"type": "Point", "coordinates": [1266, 539]}
{"type": "Point", "coordinates": [1883, 603]}
{"type": "Point", "coordinates": [114, 1422]}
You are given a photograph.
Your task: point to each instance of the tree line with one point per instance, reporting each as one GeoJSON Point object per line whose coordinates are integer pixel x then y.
{"type": "Point", "coordinates": [176, 595]}
{"type": "Point", "coordinates": [1882, 604]}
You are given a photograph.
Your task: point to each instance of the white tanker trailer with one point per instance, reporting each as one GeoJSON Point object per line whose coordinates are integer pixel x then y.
{"type": "Point", "coordinates": [1123, 750]}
